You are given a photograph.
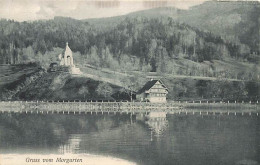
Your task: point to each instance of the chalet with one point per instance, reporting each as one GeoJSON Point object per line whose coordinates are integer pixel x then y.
{"type": "Point", "coordinates": [153, 91]}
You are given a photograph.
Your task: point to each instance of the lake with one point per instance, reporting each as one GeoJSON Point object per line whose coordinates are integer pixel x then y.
{"type": "Point", "coordinates": [178, 139]}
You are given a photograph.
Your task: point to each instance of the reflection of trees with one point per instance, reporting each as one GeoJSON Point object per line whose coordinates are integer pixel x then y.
{"type": "Point", "coordinates": [51, 131]}
{"type": "Point", "coordinates": [33, 130]}
{"type": "Point", "coordinates": [127, 140]}
{"type": "Point", "coordinates": [112, 135]}
{"type": "Point", "coordinates": [202, 138]}
{"type": "Point", "coordinates": [211, 135]}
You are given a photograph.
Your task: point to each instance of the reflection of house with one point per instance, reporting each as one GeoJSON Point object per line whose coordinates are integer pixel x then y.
{"type": "Point", "coordinates": [157, 126]}
{"type": "Point", "coordinates": [153, 91]}
{"type": "Point", "coordinates": [157, 122]}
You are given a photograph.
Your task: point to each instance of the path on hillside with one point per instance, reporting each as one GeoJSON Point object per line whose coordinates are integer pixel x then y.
{"type": "Point", "coordinates": [11, 73]}
{"type": "Point", "coordinates": [99, 78]}
{"type": "Point", "coordinates": [24, 75]}
{"type": "Point", "coordinates": [107, 75]}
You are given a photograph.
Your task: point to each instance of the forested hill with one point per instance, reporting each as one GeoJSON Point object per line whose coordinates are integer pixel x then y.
{"type": "Point", "coordinates": [236, 22]}
{"type": "Point", "coordinates": [151, 40]}
{"type": "Point", "coordinates": [135, 45]}
{"type": "Point", "coordinates": [41, 36]}
{"type": "Point", "coordinates": [137, 42]}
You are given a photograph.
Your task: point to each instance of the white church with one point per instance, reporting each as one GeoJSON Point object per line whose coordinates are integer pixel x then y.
{"type": "Point", "coordinates": [66, 59]}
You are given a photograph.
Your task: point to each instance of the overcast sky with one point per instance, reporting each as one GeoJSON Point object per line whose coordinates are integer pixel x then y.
{"type": "Point", "coordinates": [24, 10]}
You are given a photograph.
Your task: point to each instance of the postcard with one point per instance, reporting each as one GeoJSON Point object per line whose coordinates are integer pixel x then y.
{"type": "Point", "coordinates": [129, 82]}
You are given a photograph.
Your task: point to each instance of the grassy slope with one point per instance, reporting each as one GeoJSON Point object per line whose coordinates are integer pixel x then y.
{"type": "Point", "coordinates": [11, 75]}
{"type": "Point", "coordinates": [18, 82]}
{"type": "Point", "coordinates": [63, 86]}
{"type": "Point", "coordinates": [227, 64]}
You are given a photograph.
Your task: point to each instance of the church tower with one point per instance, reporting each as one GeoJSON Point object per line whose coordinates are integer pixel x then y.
{"type": "Point", "coordinates": [68, 58]}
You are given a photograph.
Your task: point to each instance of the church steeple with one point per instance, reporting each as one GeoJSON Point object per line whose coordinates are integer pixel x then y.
{"type": "Point", "coordinates": [67, 50]}
{"type": "Point", "coordinates": [67, 60]}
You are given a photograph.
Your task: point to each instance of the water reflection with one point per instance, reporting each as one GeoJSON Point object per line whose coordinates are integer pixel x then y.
{"type": "Point", "coordinates": [72, 146]}
{"type": "Point", "coordinates": [155, 138]}
{"type": "Point", "coordinates": [156, 121]}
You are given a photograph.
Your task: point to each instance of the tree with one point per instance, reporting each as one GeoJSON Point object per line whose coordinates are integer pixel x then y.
{"type": "Point", "coordinates": [104, 89]}
{"type": "Point", "coordinates": [83, 91]}
{"type": "Point", "coordinates": [27, 55]}
{"type": "Point", "coordinates": [255, 73]}
{"type": "Point", "coordinates": [40, 46]}
{"type": "Point", "coordinates": [132, 84]}
{"type": "Point", "coordinates": [241, 91]}
{"type": "Point", "coordinates": [93, 57]}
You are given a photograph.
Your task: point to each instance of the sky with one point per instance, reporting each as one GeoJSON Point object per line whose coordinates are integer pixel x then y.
{"type": "Point", "coordinates": [29, 10]}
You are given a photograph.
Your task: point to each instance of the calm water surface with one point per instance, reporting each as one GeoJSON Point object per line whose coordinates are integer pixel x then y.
{"type": "Point", "coordinates": [176, 139]}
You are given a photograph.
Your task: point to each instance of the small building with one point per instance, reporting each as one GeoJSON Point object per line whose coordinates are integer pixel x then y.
{"type": "Point", "coordinates": [67, 62]}
{"type": "Point", "coordinates": [153, 91]}
{"type": "Point", "coordinates": [66, 58]}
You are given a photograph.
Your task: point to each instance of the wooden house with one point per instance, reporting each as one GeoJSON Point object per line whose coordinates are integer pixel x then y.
{"type": "Point", "coordinates": [153, 91]}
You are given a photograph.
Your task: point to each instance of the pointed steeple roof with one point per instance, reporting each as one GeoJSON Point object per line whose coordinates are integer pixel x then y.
{"type": "Point", "coordinates": [67, 49]}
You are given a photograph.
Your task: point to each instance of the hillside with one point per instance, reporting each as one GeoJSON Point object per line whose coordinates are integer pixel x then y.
{"type": "Point", "coordinates": [134, 44]}
{"type": "Point", "coordinates": [189, 49]}
{"type": "Point", "coordinates": [236, 22]}
{"type": "Point", "coordinates": [58, 86]}
{"type": "Point", "coordinates": [12, 73]}
{"type": "Point", "coordinates": [36, 84]}
{"type": "Point", "coordinates": [103, 24]}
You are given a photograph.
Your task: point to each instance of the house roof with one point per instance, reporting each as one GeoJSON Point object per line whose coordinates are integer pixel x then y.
{"type": "Point", "coordinates": [148, 85]}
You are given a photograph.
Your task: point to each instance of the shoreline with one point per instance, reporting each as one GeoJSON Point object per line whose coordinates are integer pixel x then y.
{"type": "Point", "coordinates": [62, 159]}
{"type": "Point", "coordinates": [122, 107]}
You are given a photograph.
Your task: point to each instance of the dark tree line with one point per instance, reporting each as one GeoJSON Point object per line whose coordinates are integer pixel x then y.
{"type": "Point", "coordinates": [153, 41]}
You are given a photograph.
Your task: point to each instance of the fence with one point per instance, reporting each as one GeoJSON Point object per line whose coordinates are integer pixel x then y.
{"type": "Point", "coordinates": [125, 107]}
